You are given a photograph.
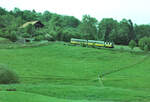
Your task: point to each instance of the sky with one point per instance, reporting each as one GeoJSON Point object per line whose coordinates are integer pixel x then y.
{"type": "Point", "coordinates": [136, 10]}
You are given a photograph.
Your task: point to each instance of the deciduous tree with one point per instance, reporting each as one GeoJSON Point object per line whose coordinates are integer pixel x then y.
{"type": "Point", "coordinates": [88, 27]}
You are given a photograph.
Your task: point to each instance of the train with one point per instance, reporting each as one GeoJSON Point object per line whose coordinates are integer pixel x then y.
{"type": "Point", "coordinates": [92, 43]}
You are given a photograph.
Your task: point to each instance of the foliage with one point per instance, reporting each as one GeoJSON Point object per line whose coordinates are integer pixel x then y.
{"type": "Point", "coordinates": [146, 49]}
{"type": "Point", "coordinates": [39, 38]}
{"type": "Point", "coordinates": [123, 32]}
{"type": "Point", "coordinates": [4, 41]}
{"type": "Point", "coordinates": [132, 44]}
{"type": "Point", "coordinates": [56, 27]}
{"type": "Point", "coordinates": [13, 36]}
{"type": "Point", "coordinates": [30, 29]}
{"type": "Point", "coordinates": [49, 38]}
{"type": "Point", "coordinates": [131, 35]}
{"type": "Point", "coordinates": [46, 16]}
{"type": "Point", "coordinates": [9, 26]}
{"type": "Point", "coordinates": [88, 27]}
{"type": "Point", "coordinates": [94, 46]}
{"type": "Point", "coordinates": [62, 27]}
{"type": "Point", "coordinates": [70, 21]}
{"type": "Point", "coordinates": [69, 33]}
{"type": "Point", "coordinates": [27, 15]}
{"type": "Point", "coordinates": [144, 43]}
{"type": "Point", "coordinates": [142, 31]}
{"type": "Point", "coordinates": [3, 11]}
{"type": "Point", "coordinates": [7, 76]}
{"type": "Point", "coordinates": [106, 26]}
{"type": "Point", "coordinates": [83, 44]}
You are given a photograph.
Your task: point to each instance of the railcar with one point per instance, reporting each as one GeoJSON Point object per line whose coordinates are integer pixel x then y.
{"type": "Point", "coordinates": [91, 43]}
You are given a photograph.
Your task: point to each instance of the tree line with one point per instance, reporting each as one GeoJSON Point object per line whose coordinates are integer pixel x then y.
{"type": "Point", "coordinates": [63, 28]}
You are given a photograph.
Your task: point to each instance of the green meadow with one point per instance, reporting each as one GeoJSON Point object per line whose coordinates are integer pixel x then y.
{"type": "Point", "coordinates": [60, 73]}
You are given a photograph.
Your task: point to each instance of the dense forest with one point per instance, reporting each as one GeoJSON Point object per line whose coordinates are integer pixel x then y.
{"type": "Point", "coordinates": [62, 28]}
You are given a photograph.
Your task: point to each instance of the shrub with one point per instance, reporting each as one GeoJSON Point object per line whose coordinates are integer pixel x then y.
{"type": "Point", "coordinates": [7, 76]}
{"type": "Point", "coordinates": [122, 49]}
{"type": "Point", "coordinates": [144, 43]}
{"type": "Point", "coordinates": [39, 38]}
{"type": "Point", "coordinates": [49, 37]}
{"type": "Point", "coordinates": [83, 44]}
{"type": "Point", "coordinates": [4, 41]}
{"type": "Point", "coordinates": [93, 45]}
{"type": "Point", "coordinates": [146, 48]}
{"type": "Point", "coordinates": [13, 36]}
{"type": "Point", "coordinates": [132, 44]}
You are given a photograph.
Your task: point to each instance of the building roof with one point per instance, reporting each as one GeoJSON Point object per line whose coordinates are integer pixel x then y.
{"type": "Point", "coordinates": [28, 23]}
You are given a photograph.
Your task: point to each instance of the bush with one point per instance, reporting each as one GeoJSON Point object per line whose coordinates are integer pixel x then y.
{"type": "Point", "coordinates": [7, 76]}
{"type": "Point", "coordinates": [121, 49]}
{"type": "Point", "coordinates": [132, 44]}
{"type": "Point", "coordinates": [49, 37]}
{"type": "Point", "coordinates": [83, 44]}
{"type": "Point", "coordinates": [39, 38]}
{"type": "Point", "coordinates": [13, 36]}
{"type": "Point", "coordinates": [146, 48]}
{"type": "Point", "coordinates": [144, 43]}
{"type": "Point", "coordinates": [93, 45]}
{"type": "Point", "coordinates": [4, 41]}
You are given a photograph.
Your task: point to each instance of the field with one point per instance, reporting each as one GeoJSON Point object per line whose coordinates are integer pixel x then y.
{"type": "Point", "coordinates": [62, 73]}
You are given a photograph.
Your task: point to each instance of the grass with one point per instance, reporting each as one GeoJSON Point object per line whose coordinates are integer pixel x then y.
{"type": "Point", "coordinates": [29, 97]}
{"type": "Point", "coordinates": [79, 93]}
{"type": "Point", "coordinates": [24, 97]}
{"type": "Point", "coordinates": [10, 45]}
{"type": "Point", "coordinates": [126, 48]}
{"type": "Point", "coordinates": [70, 72]}
{"type": "Point", "coordinates": [4, 41]}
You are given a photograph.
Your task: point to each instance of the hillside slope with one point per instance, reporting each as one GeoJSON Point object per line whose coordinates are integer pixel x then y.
{"type": "Point", "coordinates": [72, 72]}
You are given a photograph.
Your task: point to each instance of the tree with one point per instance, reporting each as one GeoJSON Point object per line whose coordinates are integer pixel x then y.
{"type": "Point", "coordinates": [7, 76]}
{"type": "Point", "coordinates": [106, 26]}
{"type": "Point", "coordinates": [131, 34]}
{"type": "Point", "coordinates": [146, 49]}
{"type": "Point", "coordinates": [29, 15]}
{"type": "Point", "coordinates": [3, 11]}
{"type": "Point", "coordinates": [132, 44]}
{"type": "Point", "coordinates": [46, 16]}
{"type": "Point", "coordinates": [61, 26]}
{"type": "Point", "coordinates": [88, 27]}
{"type": "Point", "coordinates": [142, 31]}
{"type": "Point", "coordinates": [144, 43]}
{"type": "Point", "coordinates": [70, 21]}
{"type": "Point", "coordinates": [69, 33]}
{"type": "Point", "coordinates": [30, 29]}
{"type": "Point", "coordinates": [121, 32]}
{"type": "Point", "coordinates": [13, 36]}
{"type": "Point", "coordinates": [56, 27]}
{"type": "Point", "coordinates": [17, 12]}
{"type": "Point", "coordinates": [9, 26]}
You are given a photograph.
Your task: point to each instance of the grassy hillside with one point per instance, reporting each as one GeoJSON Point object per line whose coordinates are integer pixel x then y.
{"type": "Point", "coordinates": [4, 41]}
{"type": "Point", "coordinates": [29, 97]}
{"type": "Point", "coordinates": [71, 72]}
{"type": "Point", "coordinates": [25, 97]}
